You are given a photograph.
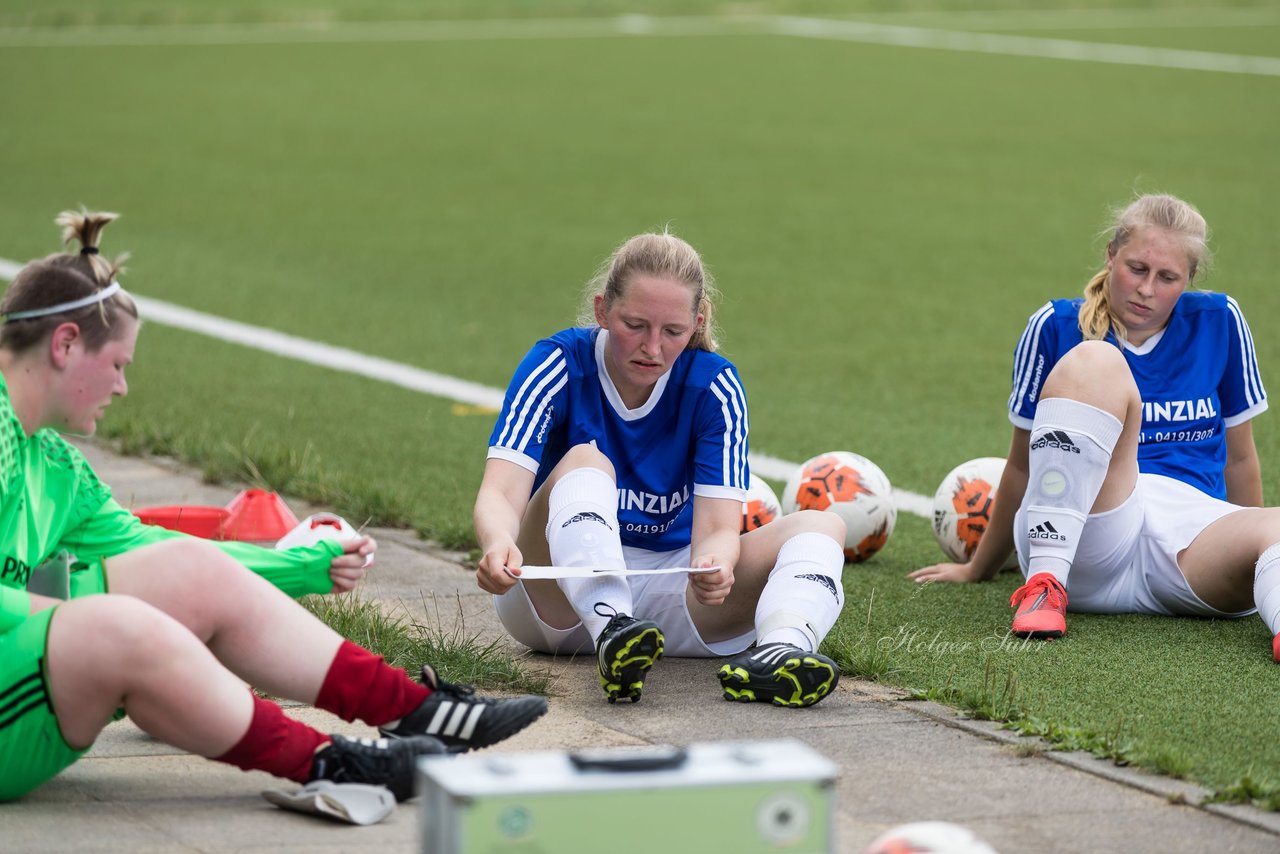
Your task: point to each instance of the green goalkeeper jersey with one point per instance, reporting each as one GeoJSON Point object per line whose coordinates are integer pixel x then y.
{"type": "Point", "coordinates": [51, 501]}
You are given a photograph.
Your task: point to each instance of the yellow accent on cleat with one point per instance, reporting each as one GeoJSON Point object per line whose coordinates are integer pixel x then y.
{"type": "Point", "coordinates": [797, 680]}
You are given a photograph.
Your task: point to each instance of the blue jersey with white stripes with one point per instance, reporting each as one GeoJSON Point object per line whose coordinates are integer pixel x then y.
{"type": "Point", "coordinates": [689, 438]}
{"type": "Point", "coordinates": [1197, 377]}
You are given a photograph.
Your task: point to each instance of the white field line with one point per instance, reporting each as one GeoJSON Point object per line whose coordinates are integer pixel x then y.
{"type": "Point", "coordinates": [636, 25]}
{"type": "Point", "coordinates": [1040, 48]}
{"type": "Point", "coordinates": [361, 32]}
{"type": "Point", "coordinates": [1078, 19]}
{"type": "Point", "coordinates": [395, 373]}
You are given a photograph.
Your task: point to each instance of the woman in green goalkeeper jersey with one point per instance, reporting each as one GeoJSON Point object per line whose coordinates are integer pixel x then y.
{"type": "Point", "coordinates": [100, 613]}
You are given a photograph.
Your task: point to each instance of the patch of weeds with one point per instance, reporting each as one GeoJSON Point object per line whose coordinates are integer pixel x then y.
{"type": "Point", "coordinates": [996, 700]}
{"type": "Point", "coordinates": [862, 656]}
{"type": "Point", "coordinates": [1025, 748]}
{"type": "Point", "coordinates": [408, 643]}
{"type": "Point", "coordinates": [452, 533]}
{"type": "Point", "coordinates": [1111, 744]}
{"type": "Point", "coordinates": [1246, 790]}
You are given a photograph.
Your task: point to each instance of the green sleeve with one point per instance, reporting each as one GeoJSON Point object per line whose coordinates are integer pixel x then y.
{"type": "Point", "coordinates": [15, 606]}
{"type": "Point", "coordinates": [112, 530]}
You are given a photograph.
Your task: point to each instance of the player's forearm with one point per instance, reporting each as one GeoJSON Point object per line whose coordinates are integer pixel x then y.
{"type": "Point", "coordinates": [1244, 482]}
{"type": "Point", "coordinates": [496, 521]}
{"type": "Point", "coordinates": [723, 544]}
{"type": "Point", "coordinates": [997, 542]}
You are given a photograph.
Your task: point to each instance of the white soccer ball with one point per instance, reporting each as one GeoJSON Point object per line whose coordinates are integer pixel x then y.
{"type": "Point", "coordinates": [854, 488]}
{"type": "Point", "coordinates": [313, 529]}
{"type": "Point", "coordinates": [928, 837]}
{"type": "Point", "coordinates": [962, 506]}
{"type": "Point", "coordinates": [761, 507]}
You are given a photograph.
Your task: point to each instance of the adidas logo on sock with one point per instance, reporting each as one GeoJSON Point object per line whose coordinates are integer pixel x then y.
{"type": "Point", "coordinates": [1055, 439]}
{"type": "Point", "coordinates": [587, 517]}
{"type": "Point", "coordinates": [1045, 531]}
{"type": "Point", "coordinates": [824, 581]}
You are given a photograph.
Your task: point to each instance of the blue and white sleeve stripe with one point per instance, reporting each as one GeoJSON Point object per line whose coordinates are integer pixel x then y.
{"type": "Point", "coordinates": [530, 400]}
{"type": "Point", "coordinates": [733, 409]}
{"type": "Point", "coordinates": [1024, 357]}
{"type": "Point", "coordinates": [1251, 382]}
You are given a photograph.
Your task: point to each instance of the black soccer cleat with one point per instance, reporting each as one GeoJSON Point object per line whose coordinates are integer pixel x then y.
{"type": "Point", "coordinates": [464, 720]}
{"type": "Point", "coordinates": [779, 673]}
{"type": "Point", "coordinates": [626, 649]}
{"type": "Point", "coordinates": [376, 761]}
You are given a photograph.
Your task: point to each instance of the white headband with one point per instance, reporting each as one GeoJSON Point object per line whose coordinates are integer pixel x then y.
{"type": "Point", "coordinates": [101, 296]}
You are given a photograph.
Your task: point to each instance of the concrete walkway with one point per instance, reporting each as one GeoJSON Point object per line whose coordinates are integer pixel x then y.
{"type": "Point", "coordinates": [900, 760]}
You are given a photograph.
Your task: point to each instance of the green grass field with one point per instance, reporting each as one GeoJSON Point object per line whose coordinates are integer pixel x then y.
{"type": "Point", "coordinates": [881, 220]}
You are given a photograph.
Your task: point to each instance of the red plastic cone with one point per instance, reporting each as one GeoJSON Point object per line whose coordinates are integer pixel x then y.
{"type": "Point", "coordinates": [194, 519]}
{"type": "Point", "coordinates": [256, 515]}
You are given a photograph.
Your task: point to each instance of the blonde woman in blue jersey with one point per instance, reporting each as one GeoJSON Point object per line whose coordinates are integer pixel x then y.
{"type": "Point", "coordinates": [1133, 483]}
{"type": "Point", "coordinates": [623, 444]}
{"type": "Point", "coordinates": [101, 614]}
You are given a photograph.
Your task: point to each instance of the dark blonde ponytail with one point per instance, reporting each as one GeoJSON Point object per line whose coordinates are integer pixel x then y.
{"type": "Point", "coordinates": [1162, 211]}
{"type": "Point", "coordinates": [663, 256]}
{"type": "Point", "coordinates": [67, 287]}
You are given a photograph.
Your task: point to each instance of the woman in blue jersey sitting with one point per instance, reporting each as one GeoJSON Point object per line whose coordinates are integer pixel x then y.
{"type": "Point", "coordinates": [1133, 483]}
{"type": "Point", "coordinates": [623, 444]}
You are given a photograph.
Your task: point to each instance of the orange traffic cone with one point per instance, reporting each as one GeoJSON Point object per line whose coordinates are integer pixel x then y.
{"type": "Point", "coordinates": [256, 515]}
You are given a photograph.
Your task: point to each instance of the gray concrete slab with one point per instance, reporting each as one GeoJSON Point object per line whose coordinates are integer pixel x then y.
{"type": "Point", "coordinates": [899, 761]}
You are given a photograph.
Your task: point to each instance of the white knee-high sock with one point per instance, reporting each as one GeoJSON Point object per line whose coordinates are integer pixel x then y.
{"type": "Point", "coordinates": [1266, 588]}
{"type": "Point", "coordinates": [1071, 446]}
{"type": "Point", "coordinates": [582, 530]}
{"type": "Point", "coordinates": [803, 596]}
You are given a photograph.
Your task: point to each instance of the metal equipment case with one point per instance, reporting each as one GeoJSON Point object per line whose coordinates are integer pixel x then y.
{"type": "Point", "coordinates": [744, 797]}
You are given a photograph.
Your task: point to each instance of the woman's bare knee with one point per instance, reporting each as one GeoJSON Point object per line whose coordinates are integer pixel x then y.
{"type": "Point", "coordinates": [583, 456]}
{"type": "Point", "coordinates": [1091, 369]}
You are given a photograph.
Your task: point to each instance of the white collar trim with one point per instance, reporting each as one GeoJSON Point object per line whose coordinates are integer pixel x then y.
{"type": "Point", "coordinates": [611, 391]}
{"type": "Point", "coordinates": [1146, 346]}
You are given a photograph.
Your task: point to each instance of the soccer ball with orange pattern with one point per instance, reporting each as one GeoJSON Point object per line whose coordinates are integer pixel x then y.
{"type": "Point", "coordinates": [761, 507]}
{"type": "Point", "coordinates": [928, 837]}
{"type": "Point", "coordinates": [962, 506]}
{"type": "Point", "coordinates": [854, 488]}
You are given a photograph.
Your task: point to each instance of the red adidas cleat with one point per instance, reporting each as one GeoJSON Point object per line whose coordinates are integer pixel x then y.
{"type": "Point", "coordinates": [1275, 647]}
{"type": "Point", "coordinates": [1042, 608]}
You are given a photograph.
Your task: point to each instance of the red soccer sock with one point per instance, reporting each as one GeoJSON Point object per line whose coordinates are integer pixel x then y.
{"type": "Point", "coordinates": [275, 743]}
{"type": "Point", "coordinates": [360, 685]}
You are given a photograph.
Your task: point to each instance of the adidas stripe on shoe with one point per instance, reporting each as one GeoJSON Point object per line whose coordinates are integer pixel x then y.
{"type": "Point", "coordinates": [462, 719]}
{"type": "Point", "coordinates": [779, 673]}
{"type": "Point", "coordinates": [1042, 608]}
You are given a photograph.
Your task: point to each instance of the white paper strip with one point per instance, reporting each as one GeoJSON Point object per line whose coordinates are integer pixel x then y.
{"type": "Point", "coordinates": [538, 573]}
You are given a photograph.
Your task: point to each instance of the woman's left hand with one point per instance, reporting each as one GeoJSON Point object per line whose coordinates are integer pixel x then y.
{"type": "Point", "coordinates": [348, 568]}
{"type": "Point", "coordinates": [711, 588]}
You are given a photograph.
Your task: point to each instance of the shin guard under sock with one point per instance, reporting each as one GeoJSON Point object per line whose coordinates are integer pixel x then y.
{"type": "Point", "coordinates": [360, 685]}
{"type": "Point", "coordinates": [1266, 588]}
{"type": "Point", "coordinates": [1071, 446]}
{"type": "Point", "coordinates": [582, 530]}
{"type": "Point", "coordinates": [803, 595]}
{"type": "Point", "coordinates": [276, 744]}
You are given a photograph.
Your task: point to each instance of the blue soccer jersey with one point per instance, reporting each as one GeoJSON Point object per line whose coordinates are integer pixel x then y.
{"type": "Point", "coordinates": [689, 438]}
{"type": "Point", "coordinates": [1197, 377]}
